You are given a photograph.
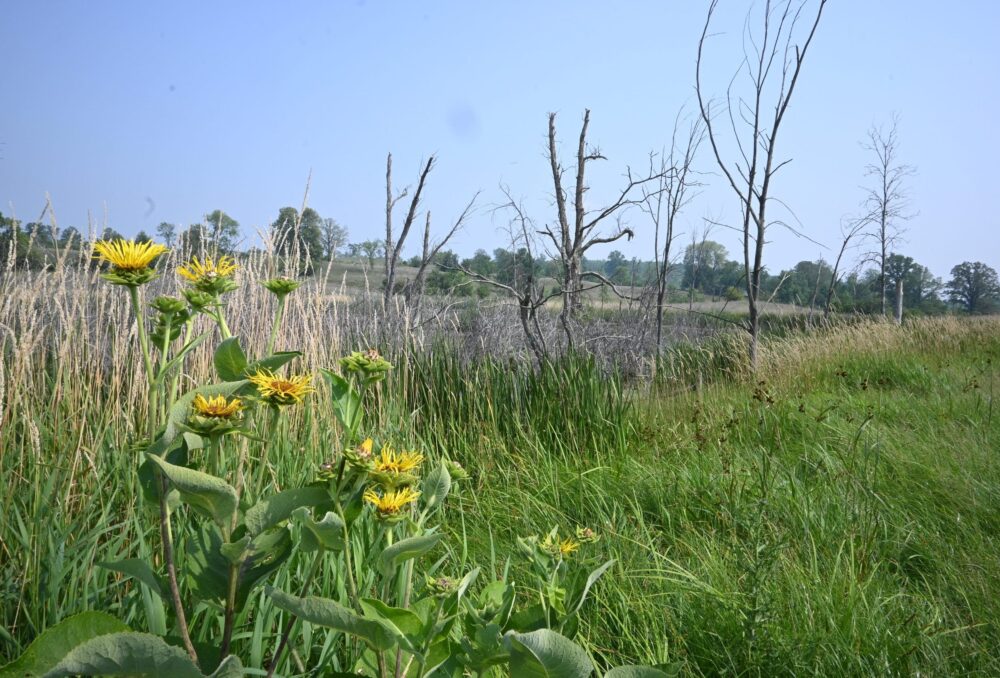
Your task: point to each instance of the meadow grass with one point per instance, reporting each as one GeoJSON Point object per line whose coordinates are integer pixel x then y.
{"type": "Point", "coordinates": [835, 513]}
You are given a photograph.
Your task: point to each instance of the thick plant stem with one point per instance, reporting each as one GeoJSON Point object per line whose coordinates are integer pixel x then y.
{"type": "Point", "coordinates": [165, 536]}
{"type": "Point", "coordinates": [291, 622]}
{"type": "Point", "coordinates": [140, 324]}
{"type": "Point", "coordinates": [278, 313]}
{"type": "Point", "coordinates": [168, 557]}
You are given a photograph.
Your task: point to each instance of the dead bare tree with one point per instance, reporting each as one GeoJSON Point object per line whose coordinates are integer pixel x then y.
{"type": "Point", "coordinates": [664, 203]}
{"type": "Point", "coordinates": [771, 64]}
{"type": "Point", "coordinates": [574, 236]}
{"type": "Point", "coordinates": [394, 244]}
{"type": "Point", "coordinates": [886, 202]}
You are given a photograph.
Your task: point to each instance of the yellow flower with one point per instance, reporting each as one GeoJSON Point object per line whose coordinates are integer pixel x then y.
{"type": "Point", "coordinates": [389, 462]}
{"type": "Point", "coordinates": [391, 503]}
{"type": "Point", "coordinates": [131, 261]}
{"type": "Point", "coordinates": [128, 255]}
{"type": "Point", "coordinates": [210, 275]}
{"type": "Point", "coordinates": [196, 270]}
{"type": "Point", "coordinates": [282, 390]}
{"type": "Point", "coordinates": [568, 546]}
{"type": "Point", "coordinates": [217, 407]}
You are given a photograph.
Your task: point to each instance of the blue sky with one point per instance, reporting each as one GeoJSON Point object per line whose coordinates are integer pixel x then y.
{"type": "Point", "coordinates": [142, 113]}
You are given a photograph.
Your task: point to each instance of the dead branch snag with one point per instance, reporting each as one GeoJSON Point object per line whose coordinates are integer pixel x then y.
{"type": "Point", "coordinates": [772, 62]}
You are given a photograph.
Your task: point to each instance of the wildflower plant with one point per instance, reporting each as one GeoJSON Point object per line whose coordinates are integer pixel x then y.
{"type": "Point", "coordinates": [368, 526]}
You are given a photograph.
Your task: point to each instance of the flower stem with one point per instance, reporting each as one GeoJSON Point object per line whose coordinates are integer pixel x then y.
{"type": "Point", "coordinates": [278, 313]}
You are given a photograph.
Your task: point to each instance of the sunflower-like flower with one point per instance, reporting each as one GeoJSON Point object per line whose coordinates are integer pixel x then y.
{"type": "Point", "coordinates": [568, 546]}
{"type": "Point", "coordinates": [131, 262]}
{"type": "Point", "coordinates": [390, 504]}
{"type": "Point", "coordinates": [214, 416]}
{"type": "Point", "coordinates": [392, 470]}
{"type": "Point", "coordinates": [282, 390]}
{"type": "Point", "coordinates": [218, 407]}
{"type": "Point", "coordinates": [210, 276]}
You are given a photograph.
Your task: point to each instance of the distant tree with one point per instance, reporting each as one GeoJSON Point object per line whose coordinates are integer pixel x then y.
{"type": "Point", "coordinates": [168, 232]}
{"type": "Point", "coordinates": [703, 259]}
{"type": "Point", "coordinates": [886, 202]}
{"type": "Point", "coordinates": [294, 234]}
{"type": "Point", "coordinates": [194, 240]}
{"type": "Point", "coordinates": [975, 287]}
{"type": "Point", "coordinates": [334, 236]}
{"type": "Point", "coordinates": [616, 267]}
{"type": "Point", "coordinates": [223, 232]}
{"type": "Point", "coordinates": [110, 234]}
{"type": "Point", "coordinates": [70, 238]}
{"type": "Point", "coordinates": [480, 263]}
{"type": "Point", "coordinates": [372, 249]}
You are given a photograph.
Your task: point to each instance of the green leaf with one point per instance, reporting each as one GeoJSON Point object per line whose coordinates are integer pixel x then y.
{"type": "Point", "coordinates": [234, 551]}
{"type": "Point", "coordinates": [210, 495]}
{"type": "Point", "coordinates": [436, 486]}
{"type": "Point", "coordinates": [636, 672]}
{"type": "Point", "coordinates": [230, 360]}
{"type": "Point", "coordinates": [56, 642]}
{"type": "Point", "coordinates": [546, 654]}
{"type": "Point", "coordinates": [346, 402]}
{"type": "Point", "coordinates": [325, 612]}
{"type": "Point", "coordinates": [137, 568]}
{"type": "Point", "coordinates": [278, 507]}
{"type": "Point", "coordinates": [208, 567]}
{"type": "Point", "coordinates": [328, 533]}
{"type": "Point", "coordinates": [404, 550]}
{"type": "Point", "coordinates": [404, 624]}
{"type": "Point", "coordinates": [591, 580]}
{"type": "Point", "coordinates": [135, 654]}
{"type": "Point", "coordinates": [273, 362]}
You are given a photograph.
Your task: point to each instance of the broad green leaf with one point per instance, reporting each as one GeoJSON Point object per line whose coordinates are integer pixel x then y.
{"type": "Point", "coordinates": [273, 362]}
{"type": "Point", "coordinates": [135, 654]}
{"type": "Point", "coordinates": [325, 612]}
{"type": "Point", "coordinates": [212, 496]}
{"type": "Point", "coordinates": [636, 672]}
{"type": "Point", "coordinates": [546, 654]}
{"type": "Point", "coordinates": [267, 552]}
{"type": "Point", "coordinates": [405, 549]}
{"type": "Point", "coordinates": [328, 533]}
{"type": "Point", "coordinates": [436, 486]}
{"type": "Point", "coordinates": [181, 410]}
{"type": "Point", "coordinates": [150, 477]}
{"type": "Point", "coordinates": [591, 580]}
{"type": "Point", "coordinates": [48, 649]}
{"type": "Point", "coordinates": [234, 551]}
{"type": "Point", "coordinates": [137, 568]}
{"type": "Point", "coordinates": [346, 402]}
{"type": "Point", "coordinates": [230, 360]}
{"type": "Point", "coordinates": [403, 623]}
{"type": "Point", "coordinates": [208, 568]}
{"type": "Point", "coordinates": [270, 511]}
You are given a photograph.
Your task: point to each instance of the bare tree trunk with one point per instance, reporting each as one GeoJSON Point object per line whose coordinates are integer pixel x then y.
{"type": "Point", "coordinates": [899, 301]}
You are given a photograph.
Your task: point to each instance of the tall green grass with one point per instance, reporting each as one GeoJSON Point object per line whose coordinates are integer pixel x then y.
{"type": "Point", "coordinates": [837, 513]}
